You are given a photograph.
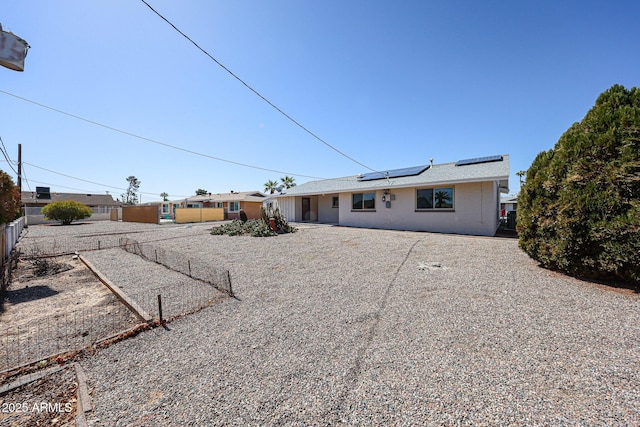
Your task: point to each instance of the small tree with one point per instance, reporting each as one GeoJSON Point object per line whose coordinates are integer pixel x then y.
{"type": "Point", "coordinates": [66, 211]}
{"type": "Point", "coordinates": [165, 197]}
{"type": "Point", "coordinates": [201, 192]}
{"type": "Point", "coordinates": [131, 196]}
{"type": "Point", "coordinates": [9, 199]}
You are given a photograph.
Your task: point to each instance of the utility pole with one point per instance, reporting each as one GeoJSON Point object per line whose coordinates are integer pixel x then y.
{"type": "Point", "coordinates": [20, 168]}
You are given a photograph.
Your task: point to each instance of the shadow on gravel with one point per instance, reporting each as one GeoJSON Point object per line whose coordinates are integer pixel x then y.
{"type": "Point", "coordinates": [623, 287]}
{"type": "Point", "coordinates": [31, 293]}
{"type": "Point", "coordinates": [627, 288]}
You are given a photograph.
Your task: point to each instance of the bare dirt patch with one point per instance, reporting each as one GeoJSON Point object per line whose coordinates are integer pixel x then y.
{"type": "Point", "coordinates": [63, 307]}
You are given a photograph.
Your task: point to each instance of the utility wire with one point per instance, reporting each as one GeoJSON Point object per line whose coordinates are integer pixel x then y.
{"type": "Point", "coordinates": [58, 186]}
{"type": "Point", "coordinates": [24, 178]}
{"type": "Point", "coordinates": [162, 143]}
{"type": "Point", "coordinates": [256, 92]}
{"type": "Point", "coordinates": [90, 182]}
{"type": "Point", "coordinates": [6, 156]}
{"type": "Point", "coordinates": [155, 141]}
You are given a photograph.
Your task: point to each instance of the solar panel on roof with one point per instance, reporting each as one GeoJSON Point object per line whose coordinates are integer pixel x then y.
{"type": "Point", "coordinates": [477, 160]}
{"type": "Point", "coordinates": [395, 173]}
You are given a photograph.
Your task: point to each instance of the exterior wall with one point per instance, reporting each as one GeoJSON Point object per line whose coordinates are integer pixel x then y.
{"type": "Point", "coordinates": [252, 209]}
{"type": "Point", "coordinates": [321, 208]}
{"type": "Point", "coordinates": [287, 206]}
{"type": "Point", "coordinates": [475, 212]}
{"type": "Point", "coordinates": [326, 212]}
{"type": "Point", "coordinates": [146, 214]}
{"type": "Point", "coordinates": [199, 214]}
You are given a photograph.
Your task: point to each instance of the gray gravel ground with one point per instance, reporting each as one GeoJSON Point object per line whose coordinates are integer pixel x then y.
{"type": "Point", "coordinates": [350, 326]}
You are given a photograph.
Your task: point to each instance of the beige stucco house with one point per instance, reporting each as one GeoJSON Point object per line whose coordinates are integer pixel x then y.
{"type": "Point", "coordinates": [461, 197]}
{"type": "Point", "coordinates": [232, 203]}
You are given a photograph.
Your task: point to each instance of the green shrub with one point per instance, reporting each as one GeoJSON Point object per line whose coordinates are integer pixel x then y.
{"type": "Point", "coordinates": [252, 227]}
{"type": "Point", "coordinates": [66, 211]}
{"type": "Point", "coordinates": [9, 199]}
{"type": "Point", "coordinates": [579, 210]}
{"type": "Point", "coordinates": [255, 227]}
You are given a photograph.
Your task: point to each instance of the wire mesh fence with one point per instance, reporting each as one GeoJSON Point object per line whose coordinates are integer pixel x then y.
{"type": "Point", "coordinates": [61, 330]}
{"type": "Point", "coordinates": [169, 301]}
{"type": "Point", "coordinates": [50, 246]}
{"type": "Point", "coordinates": [200, 270]}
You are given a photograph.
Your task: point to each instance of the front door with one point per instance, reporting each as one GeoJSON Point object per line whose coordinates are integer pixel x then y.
{"type": "Point", "coordinates": [306, 209]}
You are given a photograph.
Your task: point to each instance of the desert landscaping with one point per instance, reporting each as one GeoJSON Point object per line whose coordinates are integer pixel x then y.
{"type": "Point", "coordinates": [335, 325]}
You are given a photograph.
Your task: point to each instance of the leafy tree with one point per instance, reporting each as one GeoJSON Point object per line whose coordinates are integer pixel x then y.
{"type": "Point", "coordinates": [165, 196]}
{"type": "Point", "coordinates": [579, 209]}
{"type": "Point", "coordinates": [270, 186]}
{"type": "Point", "coordinates": [288, 181]}
{"type": "Point", "coordinates": [66, 211]}
{"type": "Point", "coordinates": [9, 199]}
{"type": "Point", "coordinates": [131, 196]}
{"type": "Point", "coordinates": [201, 192]}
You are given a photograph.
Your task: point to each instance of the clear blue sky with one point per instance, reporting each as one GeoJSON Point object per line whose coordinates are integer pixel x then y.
{"type": "Point", "coordinates": [390, 84]}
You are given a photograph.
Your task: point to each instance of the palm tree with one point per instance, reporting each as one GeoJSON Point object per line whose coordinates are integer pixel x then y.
{"type": "Point", "coordinates": [270, 186]}
{"type": "Point", "coordinates": [165, 197]}
{"type": "Point", "coordinates": [520, 175]}
{"type": "Point", "coordinates": [288, 181]}
{"type": "Point", "coordinates": [441, 197]}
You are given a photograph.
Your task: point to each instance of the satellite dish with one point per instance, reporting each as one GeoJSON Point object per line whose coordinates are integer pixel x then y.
{"type": "Point", "coordinates": [13, 50]}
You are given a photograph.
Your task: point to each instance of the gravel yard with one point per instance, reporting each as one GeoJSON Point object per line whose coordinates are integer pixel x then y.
{"type": "Point", "coordinates": [337, 325]}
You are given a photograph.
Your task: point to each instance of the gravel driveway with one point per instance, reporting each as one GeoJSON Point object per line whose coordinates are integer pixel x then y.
{"type": "Point", "coordinates": [349, 326]}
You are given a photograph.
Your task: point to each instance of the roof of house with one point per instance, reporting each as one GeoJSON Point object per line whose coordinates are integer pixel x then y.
{"type": "Point", "coordinates": [242, 196]}
{"type": "Point", "coordinates": [30, 197]}
{"type": "Point", "coordinates": [509, 199]}
{"type": "Point", "coordinates": [471, 170]}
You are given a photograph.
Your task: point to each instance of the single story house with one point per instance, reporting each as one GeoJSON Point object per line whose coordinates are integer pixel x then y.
{"type": "Point", "coordinates": [508, 204]}
{"type": "Point", "coordinates": [248, 201]}
{"type": "Point", "coordinates": [34, 201]}
{"type": "Point", "coordinates": [461, 197]}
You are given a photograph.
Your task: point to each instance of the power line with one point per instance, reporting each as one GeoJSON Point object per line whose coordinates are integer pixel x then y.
{"type": "Point", "coordinates": [155, 141]}
{"type": "Point", "coordinates": [6, 156]}
{"type": "Point", "coordinates": [91, 182]}
{"type": "Point", "coordinates": [57, 186]}
{"type": "Point", "coordinates": [256, 92]}
{"type": "Point", "coordinates": [24, 177]}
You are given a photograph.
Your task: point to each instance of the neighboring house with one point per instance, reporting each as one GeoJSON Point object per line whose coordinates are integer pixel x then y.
{"type": "Point", "coordinates": [461, 197]}
{"type": "Point", "coordinates": [508, 204]}
{"type": "Point", "coordinates": [34, 201]}
{"type": "Point", "coordinates": [248, 201]}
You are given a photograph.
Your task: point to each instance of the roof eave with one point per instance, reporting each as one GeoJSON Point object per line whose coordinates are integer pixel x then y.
{"type": "Point", "coordinates": [391, 185]}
